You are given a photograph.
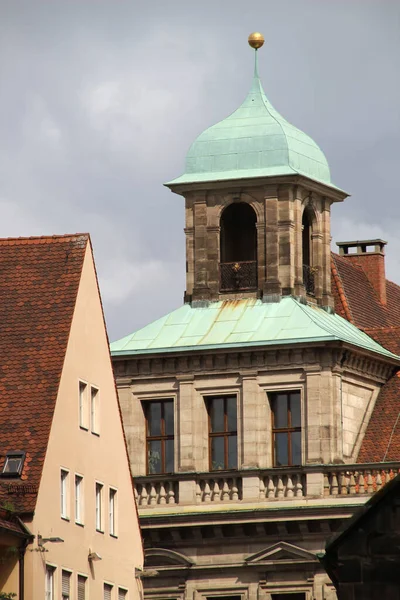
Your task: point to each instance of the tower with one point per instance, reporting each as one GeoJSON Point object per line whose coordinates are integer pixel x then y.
{"type": "Point", "coordinates": [258, 195]}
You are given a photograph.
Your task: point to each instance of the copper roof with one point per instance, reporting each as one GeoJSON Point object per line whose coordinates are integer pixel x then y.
{"type": "Point", "coordinates": [39, 279]}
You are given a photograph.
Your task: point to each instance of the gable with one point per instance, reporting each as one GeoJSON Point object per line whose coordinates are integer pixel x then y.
{"type": "Point", "coordinates": [281, 552]}
{"type": "Point", "coordinates": [160, 557]}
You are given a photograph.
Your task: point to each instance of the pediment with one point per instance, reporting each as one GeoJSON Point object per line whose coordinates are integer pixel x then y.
{"type": "Point", "coordinates": [160, 557]}
{"type": "Point", "coordinates": [281, 551]}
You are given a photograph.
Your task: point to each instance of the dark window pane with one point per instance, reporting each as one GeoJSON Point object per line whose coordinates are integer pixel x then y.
{"type": "Point", "coordinates": [154, 418]}
{"type": "Point", "coordinates": [296, 448]}
{"type": "Point", "coordinates": [169, 418]}
{"type": "Point", "coordinates": [217, 453]}
{"type": "Point", "coordinates": [281, 449]}
{"type": "Point", "coordinates": [232, 452]}
{"type": "Point", "coordinates": [280, 411]}
{"type": "Point", "coordinates": [231, 412]}
{"type": "Point", "coordinates": [169, 456]}
{"type": "Point", "coordinates": [154, 456]}
{"type": "Point", "coordinates": [295, 409]}
{"type": "Point", "coordinates": [217, 414]}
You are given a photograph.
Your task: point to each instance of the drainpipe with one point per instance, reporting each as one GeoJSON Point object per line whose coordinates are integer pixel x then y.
{"type": "Point", "coordinates": [22, 571]}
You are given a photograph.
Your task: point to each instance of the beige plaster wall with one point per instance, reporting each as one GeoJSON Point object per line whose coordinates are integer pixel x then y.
{"type": "Point", "coordinates": [99, 458]}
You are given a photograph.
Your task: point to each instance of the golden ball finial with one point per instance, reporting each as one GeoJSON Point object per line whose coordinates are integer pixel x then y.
{"type": "Point", "coordinates": [256, 40]}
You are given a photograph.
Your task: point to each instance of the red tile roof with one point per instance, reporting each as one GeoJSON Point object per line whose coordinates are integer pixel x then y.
{"type": "Point", "coordinates": [39, 279]}
{"type": "Point", "coordinates": [356, 300]}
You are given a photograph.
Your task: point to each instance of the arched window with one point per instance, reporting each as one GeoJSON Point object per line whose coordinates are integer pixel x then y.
{"type": "Point", "coordinates": [308, 270]}
{"type": "Point", "coordinates": [238, 268]}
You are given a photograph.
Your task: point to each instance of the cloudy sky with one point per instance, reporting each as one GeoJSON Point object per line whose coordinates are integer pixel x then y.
{"type": "Point", "coordinates": [100, 100]}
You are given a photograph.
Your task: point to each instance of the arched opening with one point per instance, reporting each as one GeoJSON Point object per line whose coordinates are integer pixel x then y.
{"type": "Point", "coordinates": [308, 270]}
{"type": "Point", "coordinates": [238, 246]}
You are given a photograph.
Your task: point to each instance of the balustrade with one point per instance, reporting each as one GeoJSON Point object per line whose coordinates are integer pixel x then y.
{"type": "Point", "coordinates": [218, 489]}
{"type": "Point", "coordinates": [154, 493]}
{"type": "Point", "coordinates": [269, 485]}
{"type": "Point", "coordinates": [357, 479]}
{"type": "Point", "coordinates": [276, 485]}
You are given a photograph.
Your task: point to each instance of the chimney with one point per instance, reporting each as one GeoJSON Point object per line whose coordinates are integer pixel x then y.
{"type": "Point", "coordinates": [370, 256]}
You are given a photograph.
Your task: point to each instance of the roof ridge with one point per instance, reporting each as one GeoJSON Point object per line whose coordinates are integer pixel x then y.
{"type": "Point", "coordinates": [45, 237]}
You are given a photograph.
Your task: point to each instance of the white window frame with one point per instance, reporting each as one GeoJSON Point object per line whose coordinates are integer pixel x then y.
{"type": "Point", "coordinates": [85, 577]}
{"type": "Point", "coordinates": [79, 499]}
{"type": "Point", "coordinates": [99, 492]}
{"type": "Point", "coordinates": [49, 582]}
{"type": "Point", "coordinates": [125, 590]}
{"type": "Point", "coordinates": [83, 405]}
{"type": "Point", "coordinates": [63, 570]}
{"type": "Point", "coordinates": [94, 410]}
{"type": "Point", "coordinates": [112, 586]}
{"type": "Point", "coordinates": [64, 493]}
{"type": "Point", "coordinates": [113, 511]}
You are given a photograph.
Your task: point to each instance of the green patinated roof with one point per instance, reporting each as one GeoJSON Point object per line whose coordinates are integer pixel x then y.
{"type": "Point", "coordinates": [243, 323]}
{"type": "Point", "coordinates": [254, 141]}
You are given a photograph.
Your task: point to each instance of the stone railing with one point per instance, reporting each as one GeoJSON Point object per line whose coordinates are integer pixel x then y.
{"type": "Point", "coordinates": [352, 480]}
{"type": "Point", "coordinates": [291, 484]}
{"type": "Point", "coordinates": [276, 484]}
{"type": "Point", "coordinates": [212, 488]}
{"type": "Point", "coordinates": [156, 492]}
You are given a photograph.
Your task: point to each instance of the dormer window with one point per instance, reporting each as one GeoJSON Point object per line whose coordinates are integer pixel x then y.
{"type": "Point", "coordinates": [13, 464]}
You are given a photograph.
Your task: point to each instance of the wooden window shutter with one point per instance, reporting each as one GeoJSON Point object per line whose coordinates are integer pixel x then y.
{"type": "Point", "coordinates": [81, 587]}
{"type": "Point", "coordinates": [65, 584]}
{"type": "Point", "coordinates": [122, 594]}
{"type": "Point", "coordinates": [107, 591]}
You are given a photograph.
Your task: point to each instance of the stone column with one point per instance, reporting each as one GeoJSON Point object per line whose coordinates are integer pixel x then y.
{"type": "Point", "coordinates": [286, 230]}
{"type": "Point", "coordinates": [298, 250]}
{"type": "Point", "coordinates": [134, 427]}
{"type": "Point", "coordinates": [185, 438]}
{"type": "Point", "coordinates": [213, 253]}
{"type": "Point", "coordinates": [272, 287]}
{"type": "Point", "coordinates": [326, 295]}
{"type": "Point", "coordinates": [200, 290]}
{"type": "Point", "coordinates": [189, 233]}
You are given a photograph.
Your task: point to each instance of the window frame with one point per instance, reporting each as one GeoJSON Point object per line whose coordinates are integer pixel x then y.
{"type": "Point", "coordinates": [69, 572]}
{"type": "Point", "coordinates": [112, 588]}
{"type": "Point", "coordinates": [113, 518]}
{"type": "Point", "coordinates": [83, 388]}
{"type": "Point", "coordinates": [95, 410]}
{"type": "Point", "coordinates": [81, 576]}
{"type": "Point", "coordinates": [224, 434]}
{"type": "Point", "coordinates": [79, 502]}
{"type": "Point", "coordinates": [289, 429]}
{"type": "Point", "coordinates": [13, 454]}
{"type": "Point", "coordinates": [163, 437]}
{"type": "Point", "coordinates": [99, 512]}
{"type": "Point", "coordinates": [50, 570]}
{"type": "Point", "coordinates": [64, 493]}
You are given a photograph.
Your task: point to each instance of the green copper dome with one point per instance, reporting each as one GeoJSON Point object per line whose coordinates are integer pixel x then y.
{"type": "Point", "coordinates": [254, 141]}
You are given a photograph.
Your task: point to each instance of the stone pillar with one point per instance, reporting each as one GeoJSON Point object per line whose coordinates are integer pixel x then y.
{"type": "Point", "coordinates": [298, 253]}
{"type": "Point", "coordinates": [185, 425]}
{"type": "Point", "coordinates": [254, 431]}
{"type": "Point", "coordinates": [200, 289]}
{"type": "Point", "coordinates": [189, 233]}
{"type": "Point", "coordinates": [134, 426]}
{"type": "Point", "coordinates": [326, 292]}
{"type": "Point", "coordinates": [286, 230]}
{"type": "Point", "coordinates": [213, 253]}
{"type": "Point", "coordinates": [272, 285]}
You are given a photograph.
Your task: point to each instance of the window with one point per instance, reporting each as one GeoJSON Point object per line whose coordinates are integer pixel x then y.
{"type": "Point", "coordinates": [222, 427]}
{"type": "Point", "coordinates": [286, 428]}
{"type": "Point", "coordinates": [65, 585]}
{"type": "Point", "coordinates": [81, 585]}
{"type": "Point", "coordinates": [108, 590]}
{"type": "Point", "coordinates": [79, 499]}
{"type": "Point", "coordinates": [49, 582]}
{"type": "Point", "coordinates": [83, 405]}
{"type": "Point", "coordinates": [122, 594]}
{"type": "Point", "coordinates": [160, 436]}
{"type": "Point", "coordinates": [112, 508]}
{"type": "Point", "coordinates": [99, 507]}
{"type": "Point", "coordinates": [13, 464]}
{"type": "Point", "coordinates": [94, 410]}
{"type": "Point", "coordinates": [64, 483]}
